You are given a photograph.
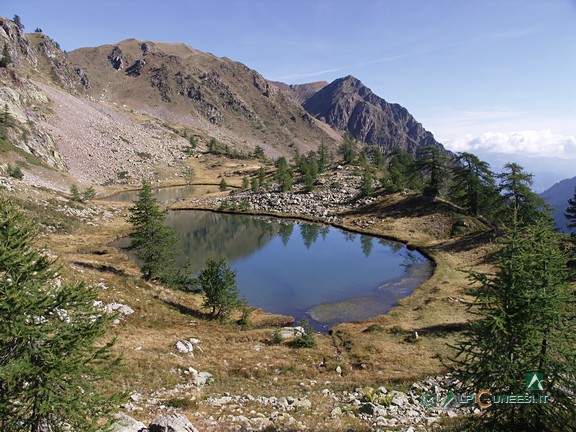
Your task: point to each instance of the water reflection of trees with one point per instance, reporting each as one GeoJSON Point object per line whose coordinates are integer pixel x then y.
{"type": "Point", "coordinates": [349, 236]}
{"type": "Point", "coordinates": [392, 245]}
{"type": "Point", "coordinates": [167, 194]}
{"type": "Point", "coordinates": [309, 233]}
{"type": "Point", "coordinates": [285, 231]}
{"type": "Point", "coordinates": [205, 234]}
{"type": "Point", "coordinates": [367, 245]}
{"type": "Point", "coordinates": [412, 258]}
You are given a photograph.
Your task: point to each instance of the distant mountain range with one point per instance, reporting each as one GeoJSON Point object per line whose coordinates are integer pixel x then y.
{"type": "Point", "coordinates": [557, 197]}
{"type": "Point", "coordinates": [546, 170]}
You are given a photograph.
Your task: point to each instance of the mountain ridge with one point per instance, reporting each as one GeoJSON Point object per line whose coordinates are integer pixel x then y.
{"type": "Point", "coordinates": [347, 104]}
{"type": "Point", "coordinates": [137, 103]}
{"type": "Point", "coordinates": [557, 197]}
{"type": "Point", "coordinates": [179, 84]}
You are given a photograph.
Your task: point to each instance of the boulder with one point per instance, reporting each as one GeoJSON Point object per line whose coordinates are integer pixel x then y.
{"type": "Point", "coordinates": [119, 307]}
{"type": "Point", "coordinates": [124, 423]}
{"type": "Point", "coordinates": [203, 378]}
{"type": "Point", "coordinates": [184, 347]}
{"type": "Point", "coordinates": [174, 423]}
{"type": "Point", "coordinates": [302, 403]}
{"type": "Point", "coordinates": [292, 332]}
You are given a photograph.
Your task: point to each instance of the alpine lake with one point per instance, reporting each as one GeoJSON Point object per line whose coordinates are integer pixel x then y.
{"type": "Point", "coordinates": [300, 269]}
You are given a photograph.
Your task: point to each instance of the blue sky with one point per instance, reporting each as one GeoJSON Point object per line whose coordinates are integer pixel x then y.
{"type": "Point", "coordinates": [491, 75]}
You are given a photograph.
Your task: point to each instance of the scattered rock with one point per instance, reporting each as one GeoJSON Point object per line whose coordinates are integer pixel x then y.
{"type": "Point", "coordinates": [119, 307]}
{"type": "Point", "coordinates": [173, 423]}
{"type": "Point", "coordinates": [336, 412]}
{"type": "Point", "coordinates": [188, 346]}
{"type": "Point", "coordinates": [302, 403]}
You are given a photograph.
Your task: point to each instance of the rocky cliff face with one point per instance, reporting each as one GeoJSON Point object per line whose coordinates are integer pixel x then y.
{"type": "Point", "coordinates": [197, 90]}
{"type": "Point", "coordinates": [23, 102]}
{"type": "Point", "coordinates": [347, 104]}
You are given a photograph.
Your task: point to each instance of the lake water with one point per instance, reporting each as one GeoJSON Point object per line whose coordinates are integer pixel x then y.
{"type": "Point", "coordinates": [301, 269]}
{"type": "Point", "coordinates": [167, 194]}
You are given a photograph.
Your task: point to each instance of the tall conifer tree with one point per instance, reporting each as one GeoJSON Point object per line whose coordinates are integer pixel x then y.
{"type": "Point", "coordinates": [153, 241]}
{"type": "Point", "coordinates": [520, 204]}
{"type": "Point", "coordinates": [432, 165]}
{"type": "Point", "coordinates": [51, 353]}
{"type": "Point", "coordinates": [473, 184]}
{"type": "Point", "coordinates": [525, 323]}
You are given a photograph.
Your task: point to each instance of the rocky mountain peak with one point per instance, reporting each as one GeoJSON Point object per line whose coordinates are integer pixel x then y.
{"type": "Point", "coordinates": [348, 105]}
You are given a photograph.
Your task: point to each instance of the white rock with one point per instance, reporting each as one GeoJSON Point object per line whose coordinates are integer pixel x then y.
{"type": "Point", "coordinates": [124, 423]}
{"type": "Point", "coordinates": [173, 423]}
{"type": "Point", "coordinates": [119, 307]}
{"type": "Point", "coordinates": [203, 378]}
{"type": "Point", "coordinates": [291, 332]}
{"type": "Point", "coordinates": [184, 347]}
{"type": "Point", "coordinates": [302, 403]}
{"type": "Point", "coordinates": [336, 412]}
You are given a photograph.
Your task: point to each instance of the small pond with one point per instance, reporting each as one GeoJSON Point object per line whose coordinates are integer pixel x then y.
{"type": "Point", "coordinates": [301, 269]}
{"type": "Point", "coordinates": [166, 194]}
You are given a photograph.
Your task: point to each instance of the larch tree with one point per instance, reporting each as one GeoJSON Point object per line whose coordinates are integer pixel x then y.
{"type": "Point", "coordinates": [218, 284]}
{"type": "Point", "coordinates": [18, 22]}
{"type": "Point", "coordinates": [432, 165]}
{"type": "Point", "coordinates": [52, 354]}
{"type": "Point", "coordinates": [152, 240]}
{"type": "Point", "coordinates": [6, 58]}
{"type": "Point", "coordinates": [283, 174]}
{"type": "Point", "coordinates": [525, 323]}
{"type": "Point", "coordinates": [520, 205]}
{"type": "Point", "coordinates": [349, 148]}
{"type": "Point", "coordinates": [400, 171]}
{"type": "Point", "coordinates": [473, 185]}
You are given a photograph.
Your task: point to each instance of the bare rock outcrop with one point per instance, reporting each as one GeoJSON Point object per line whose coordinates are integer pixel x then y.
{"type": "Point", "coordinates": [174, 423]}
{"type": "Point", "coordinates": [116, 58]}
{"type": "Point", "coordinates": [349, 105]}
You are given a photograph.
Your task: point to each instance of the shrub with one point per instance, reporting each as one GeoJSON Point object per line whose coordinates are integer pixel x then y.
{"type": "Point", "coordinates": [307, 339]}
{"type": "Point", "coordinates": [218, 284]}
{"type": "Point", "coordinates": [89, 194]}
{"type": "Point", "coordinates": [277, 337]}
{"type": "Point", "coordinates": [14, 172]}
{"type": "Point", "coordinates": [75, 193]}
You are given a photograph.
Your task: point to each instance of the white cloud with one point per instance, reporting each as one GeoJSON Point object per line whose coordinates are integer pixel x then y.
{"type": "Point", "coordinates": [526, 142]}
